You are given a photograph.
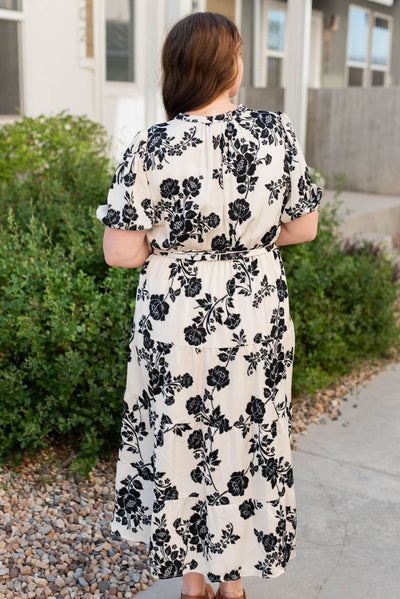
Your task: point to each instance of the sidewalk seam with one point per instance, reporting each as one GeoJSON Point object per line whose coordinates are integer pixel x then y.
{"type": "Point", "coordinates": [317, 455]}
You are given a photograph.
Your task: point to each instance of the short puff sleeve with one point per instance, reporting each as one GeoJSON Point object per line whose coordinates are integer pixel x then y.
{"type": "Point", "coordinates": [129, 203]}
{"type": "Point", "coordinates": [303, 196]}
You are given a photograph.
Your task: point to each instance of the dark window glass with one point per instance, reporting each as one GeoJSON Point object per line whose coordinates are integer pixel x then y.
{"type": "Point", "coordinates": [119, 40]}
{"type": "Point", "coordinates": [11, 4]}
{"type": "Point", "coordinates": [274, 71]}
{"type": "Point", "coordinates": [378, 78]}
{"type": "Point", "coordinates": [9, 67]}
{"type": "Point", "coordinates": [355, 77]}
{"type": "Point", "coordinates": [381, 22]}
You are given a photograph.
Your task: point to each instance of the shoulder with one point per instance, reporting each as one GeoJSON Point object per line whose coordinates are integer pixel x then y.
{"type": "Point", "coordinates": [278, 123]}
{"type": "Point", "coordinates": [287, 127]}
{"type": "Point", "coordinates": [258, 119]}
{"type": "Point", "coordinates": [164, 133]}
{"type": "Point", "coordinates": [166, 126]}
{"type": "Point", "coordinates": [138, 144]}
{"type": "Point", "coordinates": [266, 116]}
{"type": "Point", "coordinates": [148, 140]}
{"type": "Point", "coordinates": [264, 124]}
{"type": "Point", "coordinates": [171, 138]}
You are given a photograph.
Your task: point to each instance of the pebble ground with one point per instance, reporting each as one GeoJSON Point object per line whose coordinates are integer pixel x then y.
{"type": "Point", "coordinates": [55, 539]}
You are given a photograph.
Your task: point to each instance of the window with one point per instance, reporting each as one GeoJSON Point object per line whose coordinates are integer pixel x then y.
{"type": "Point", "coordinates": [270, 46]}
{"type": "Point", "coordinates": [119, 40]}
{"type": "Point", "coordinates": [11, 4]}
{"type": "Point", "coordinates": [10, 67]}
{"type": "Point", "coordinates": [380, 49]}
{"type": "Point", "coordinates": [368, 47]}
{"type": "Point", "coordinates": [275, 54]}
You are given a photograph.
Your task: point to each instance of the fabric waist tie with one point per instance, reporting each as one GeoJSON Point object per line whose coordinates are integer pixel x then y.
{"type": "Point", "coordinates": [213, 255]}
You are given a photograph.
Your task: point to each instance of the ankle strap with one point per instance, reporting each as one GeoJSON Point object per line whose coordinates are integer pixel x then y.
{"type": "Point", "coordinates": [209, 594]}
{"type": "Point", "coordinates": [219, 596]}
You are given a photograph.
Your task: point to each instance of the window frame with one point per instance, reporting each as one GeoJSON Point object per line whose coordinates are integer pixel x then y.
{"type": "Point", "coordinates": [8, 14]}
{"type": "Point", "coordinates": [118, 85]}
{"type": "Point", "coordinates": [17, 11]}
{"type": "Point", "coordinates": [261, 51]}
{"type": "Point", "coordinates": [367, 66]}
{"type": "Point", "coordinates": [86, 61]}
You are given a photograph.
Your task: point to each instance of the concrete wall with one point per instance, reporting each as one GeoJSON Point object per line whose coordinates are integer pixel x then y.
{"type": "Point", "coordinates": [334, 42]}
{"type": "Point", "coordinates": [356, 131]}
{"type": "Point", "coordinates": [264, 98]}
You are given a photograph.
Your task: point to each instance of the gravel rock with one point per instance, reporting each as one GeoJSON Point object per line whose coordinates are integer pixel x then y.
{"type": "Point", "coordinates": [45, 530]}
{"type": "Point", "coordinates": [56, 541]}
{"type": "Point", "coordinates": [14, 572]}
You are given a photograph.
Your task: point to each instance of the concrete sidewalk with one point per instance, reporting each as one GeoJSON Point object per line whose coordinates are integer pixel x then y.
{"type": "Point", "coordinates": [348, 498]}
{"type": "Point", "coordinates": [366, 212]}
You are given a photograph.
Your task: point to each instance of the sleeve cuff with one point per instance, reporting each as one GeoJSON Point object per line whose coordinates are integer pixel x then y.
{"type": "Point", "coordinates": [101, 211]}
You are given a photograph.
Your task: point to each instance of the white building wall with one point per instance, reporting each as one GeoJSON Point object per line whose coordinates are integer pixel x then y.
{"type": "Point", "coordinates": [56, 75]}
{"type": "Point", "coordinates": [52, 77]}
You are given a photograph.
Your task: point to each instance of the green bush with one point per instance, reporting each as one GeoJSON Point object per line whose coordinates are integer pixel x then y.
{"type": "Point", "coordinates": [342, 306]}
{"type": "Point", "coordinates": [64, 347]}
{"type": "Point", "coordinates": [65, 316]}
{"type": "Point", "coordinates": [45, 157]}
{"type": "Point", "coordinates": [57, 167]}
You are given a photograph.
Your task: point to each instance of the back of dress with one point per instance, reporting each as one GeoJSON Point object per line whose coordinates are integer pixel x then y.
{"type": "Point", "coordinates": [219, 183]}
{"type": "Point", "coordinates": [208, 190]}
{"type": "Point", "coordinates": [205, 435]}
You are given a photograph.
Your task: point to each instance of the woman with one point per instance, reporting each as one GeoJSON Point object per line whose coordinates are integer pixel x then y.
{"type": "Point", "coordinates": [202, 201]}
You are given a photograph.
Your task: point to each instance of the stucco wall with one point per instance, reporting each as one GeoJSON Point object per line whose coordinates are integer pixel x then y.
{"type": "Point", "coordinates": [356, 131]}
{"type": "Point", "coordinates": [53, 79]}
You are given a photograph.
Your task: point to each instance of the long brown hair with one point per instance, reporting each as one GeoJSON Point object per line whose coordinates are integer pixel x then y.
{"type": "Point", "coordinates": [199, 61]}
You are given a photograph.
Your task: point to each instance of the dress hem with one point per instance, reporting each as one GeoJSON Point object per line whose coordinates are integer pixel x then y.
{"type": "Point", "coordinates": [247, 574]}
{"type": "Point", "coordinates": [255, 573]}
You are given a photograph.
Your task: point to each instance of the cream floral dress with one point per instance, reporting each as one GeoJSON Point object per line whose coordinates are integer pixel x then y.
{"type": "Point", "coordinates": [204, 474]}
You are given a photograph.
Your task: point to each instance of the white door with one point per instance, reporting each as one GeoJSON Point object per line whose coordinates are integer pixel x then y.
{"type": "Point", "coordinates": [124, 77]}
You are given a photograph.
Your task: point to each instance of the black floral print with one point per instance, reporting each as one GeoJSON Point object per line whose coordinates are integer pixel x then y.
{"type": "Point", "coordinates": [239, 210]}
{"type": "Point", "coordinates": [204, 474]}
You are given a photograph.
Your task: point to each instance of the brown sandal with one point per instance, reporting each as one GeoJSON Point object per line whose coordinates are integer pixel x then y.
{"type": "Point", "coordinates": [219, 596]}
{"type": "Point", "coordinates": [209, 594]}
